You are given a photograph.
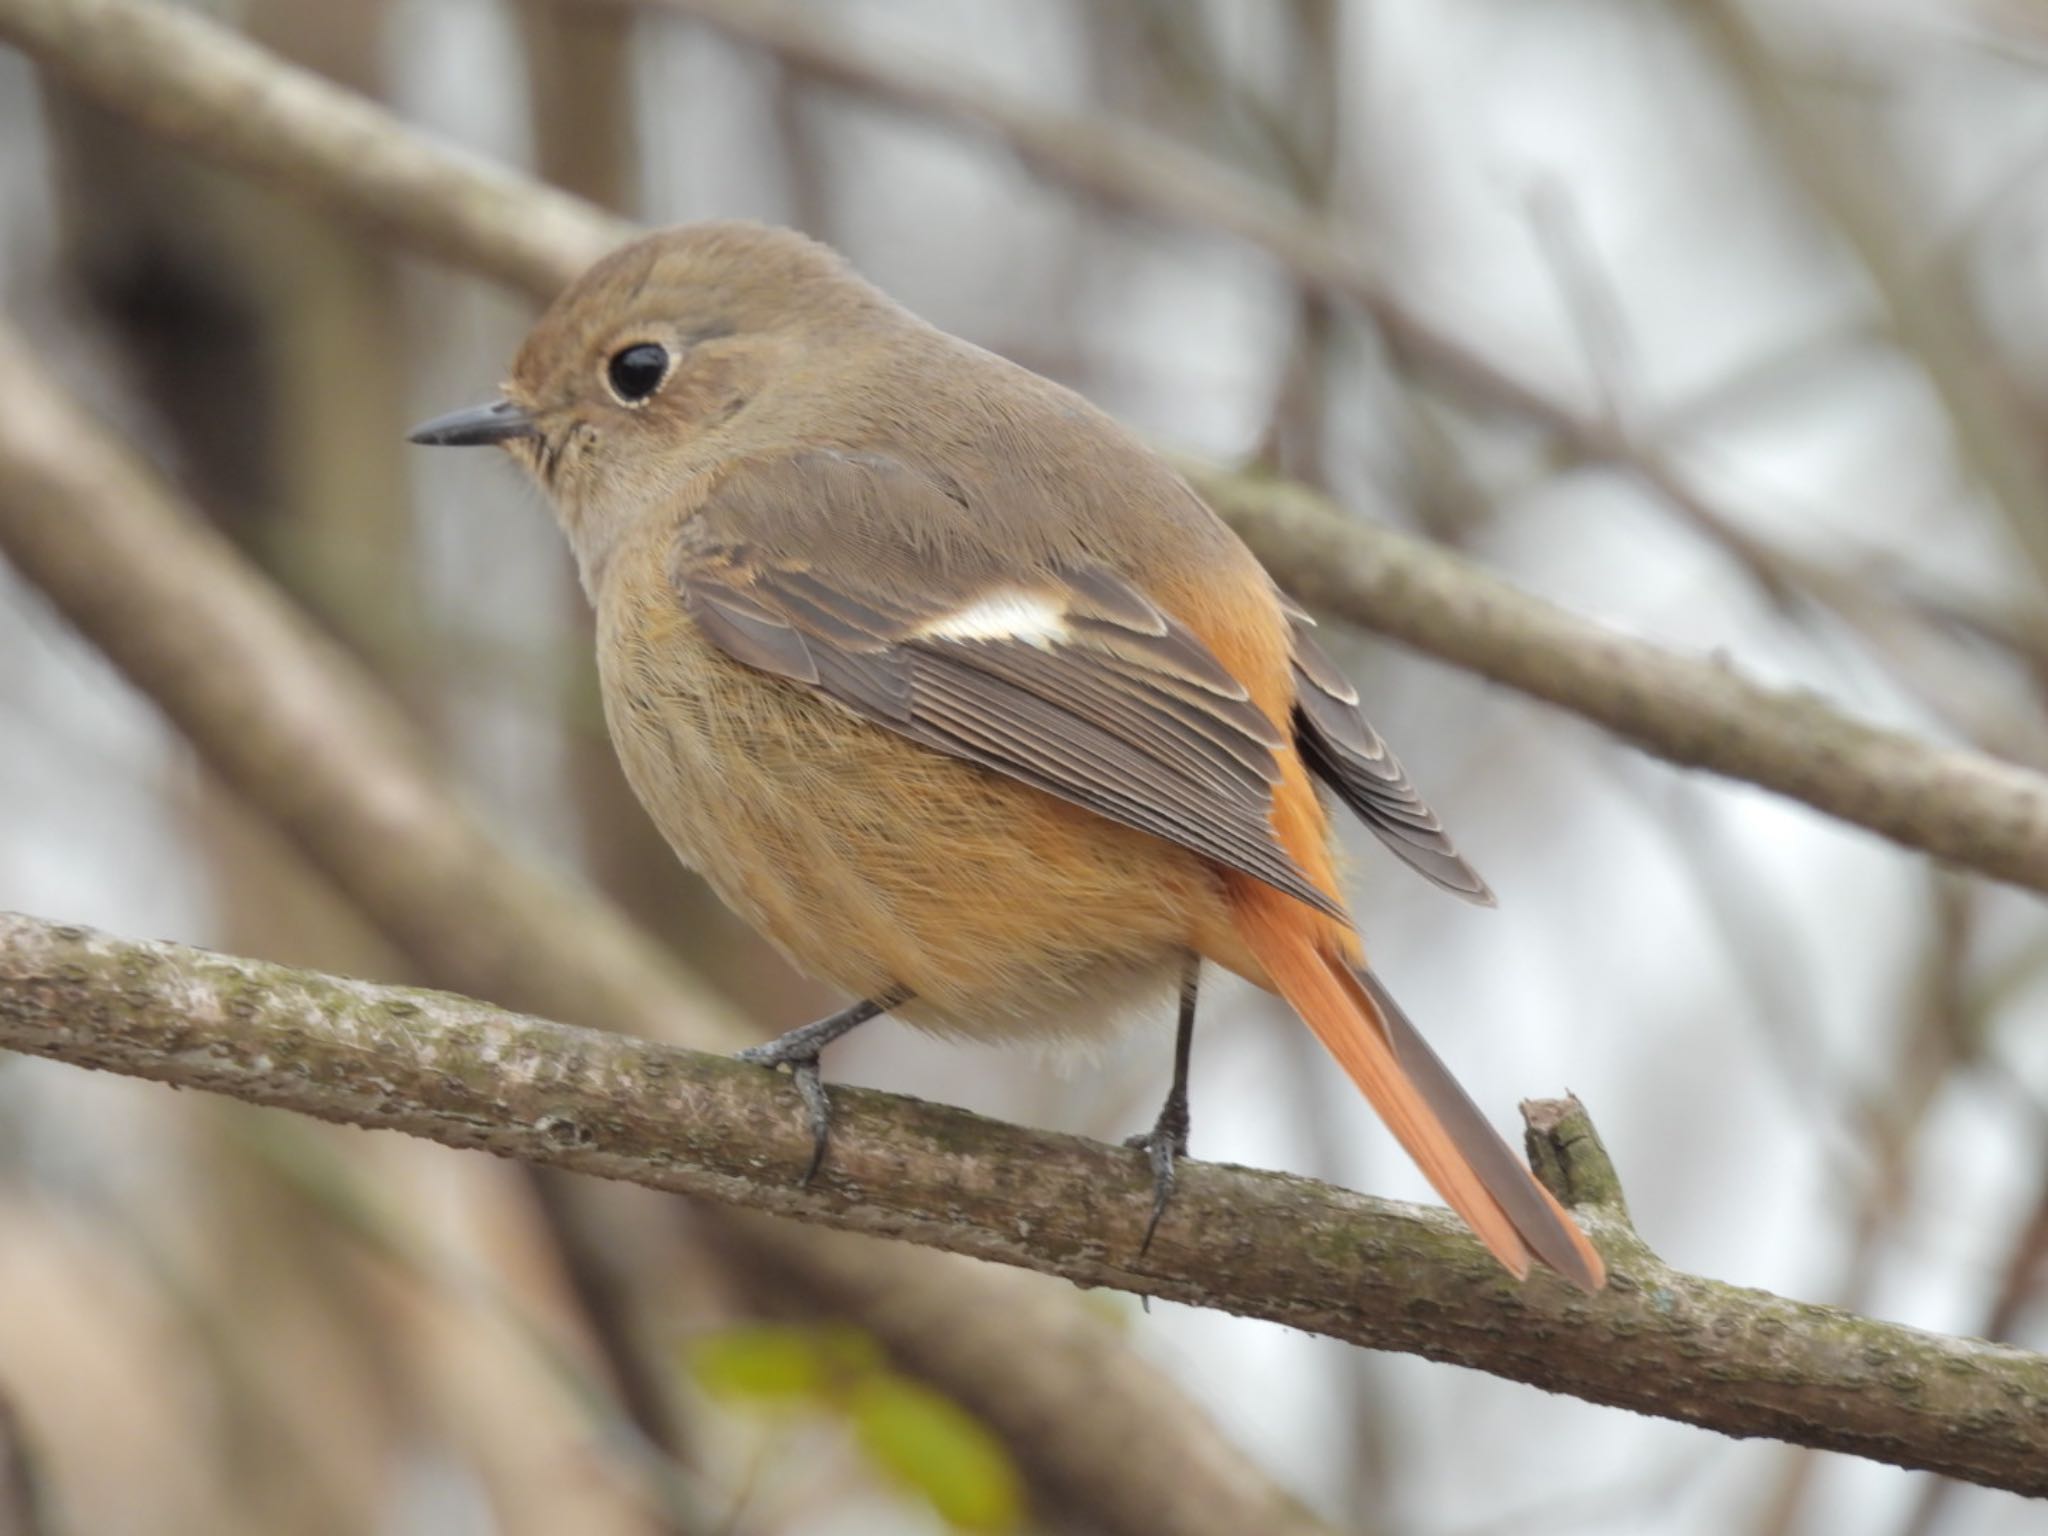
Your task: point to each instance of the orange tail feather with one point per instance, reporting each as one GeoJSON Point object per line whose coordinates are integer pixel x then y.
{"type": "Point", "coordinates": [1462, 1155]}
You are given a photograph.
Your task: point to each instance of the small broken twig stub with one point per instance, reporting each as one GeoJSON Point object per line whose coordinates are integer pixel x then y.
{"type": "Point", "coordinates": [1570, 1158]}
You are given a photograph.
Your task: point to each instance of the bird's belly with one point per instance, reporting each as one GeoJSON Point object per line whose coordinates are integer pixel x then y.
{"type": "Point", "coordinates": [872, 862]}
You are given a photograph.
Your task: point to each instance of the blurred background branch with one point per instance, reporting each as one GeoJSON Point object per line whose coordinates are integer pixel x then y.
{"type": "Point", "coordinates": [21, 1500]}
{"type": "Point", "coordinates": [1259, 1244]}
{"type": "Point", "coordinates": [216, 94]}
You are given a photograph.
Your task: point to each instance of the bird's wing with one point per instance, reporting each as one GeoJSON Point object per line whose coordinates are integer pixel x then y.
{"type": "Point", "coordinates": [1340, 745]}
{"type": "Point", "coordinates": [877, 585]}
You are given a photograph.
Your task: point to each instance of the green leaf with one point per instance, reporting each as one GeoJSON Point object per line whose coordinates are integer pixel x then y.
{"type": "Point", "coordinates": [931, 1444]}
{"type": "Point", "coordinates": [768, 1363]}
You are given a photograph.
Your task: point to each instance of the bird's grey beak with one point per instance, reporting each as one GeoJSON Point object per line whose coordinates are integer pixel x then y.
{"type": "Point", "coordinates": [474, 425]}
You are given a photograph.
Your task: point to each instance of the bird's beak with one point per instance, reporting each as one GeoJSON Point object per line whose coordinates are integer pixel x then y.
{"type": "Point", "coordinates": [474, 425]}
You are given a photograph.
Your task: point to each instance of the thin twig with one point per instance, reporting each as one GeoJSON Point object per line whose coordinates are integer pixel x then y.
{"type": "Point", "coordinates": [1929, 308]}
{"type": "Point", "coordinates": [1129, 169]}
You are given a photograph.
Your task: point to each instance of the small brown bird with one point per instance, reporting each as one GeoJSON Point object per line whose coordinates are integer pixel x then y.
{"type": "Point", "coordinates": [959, 694]}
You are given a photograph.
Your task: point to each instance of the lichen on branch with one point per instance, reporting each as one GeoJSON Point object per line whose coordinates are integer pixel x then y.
{"type": "Point", "coordinates": [1267, 1245]}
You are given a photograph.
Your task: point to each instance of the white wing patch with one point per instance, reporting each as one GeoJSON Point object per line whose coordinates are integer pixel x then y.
{"type": "Point", "coordinates": [1031, 617]}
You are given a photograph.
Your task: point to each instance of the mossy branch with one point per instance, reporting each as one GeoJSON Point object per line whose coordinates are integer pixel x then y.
{"type": "Point", "coordinates": [1267, 1245]}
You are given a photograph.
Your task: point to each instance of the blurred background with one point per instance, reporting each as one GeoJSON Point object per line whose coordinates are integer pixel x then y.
{"type": "Point", "coordinates": [1793, 255]}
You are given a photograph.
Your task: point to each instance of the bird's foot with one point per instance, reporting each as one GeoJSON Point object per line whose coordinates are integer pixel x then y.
{"type": "Point", "coordinates": [799, 1049]}
{"type": "Point", "coordinates": [810, 1087]}
{"type": "Point", "coordinates": [1165, 1144]}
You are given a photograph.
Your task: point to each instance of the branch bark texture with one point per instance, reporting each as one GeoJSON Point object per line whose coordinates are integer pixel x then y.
{"type": "Point", "coordinates": [202, 86]}
{"type": "Point", "coordinates": [1266, 1245]}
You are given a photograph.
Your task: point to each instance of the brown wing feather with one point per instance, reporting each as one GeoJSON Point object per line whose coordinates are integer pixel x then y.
{"type": "Point", "coordinates": [1340, 745]}
{"type": "Point", "coordinates": [831, 570]}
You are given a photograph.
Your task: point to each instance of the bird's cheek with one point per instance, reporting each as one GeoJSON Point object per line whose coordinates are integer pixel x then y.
{"type": "Point", "coordinates": [710, 393]}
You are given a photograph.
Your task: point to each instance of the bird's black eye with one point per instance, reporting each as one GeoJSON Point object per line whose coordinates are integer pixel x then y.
{"type": "Point", "coordinates": [636, 372]}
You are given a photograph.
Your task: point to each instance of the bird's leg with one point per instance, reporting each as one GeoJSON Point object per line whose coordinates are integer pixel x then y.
{"type": "Point", "coordinates": [798, 1050]}
{"type": "Point", "coordinates": [1167, 1141]}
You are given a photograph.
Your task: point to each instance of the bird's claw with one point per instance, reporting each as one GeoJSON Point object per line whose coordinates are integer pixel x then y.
{"type": "Point", "coordinates": [1164, 1145]}
{"type": "Point", "coordinates": [810, 1087]}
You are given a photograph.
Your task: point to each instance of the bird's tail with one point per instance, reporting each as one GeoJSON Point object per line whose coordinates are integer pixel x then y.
{"type": "Point", "coordinates": [1361, 1025]}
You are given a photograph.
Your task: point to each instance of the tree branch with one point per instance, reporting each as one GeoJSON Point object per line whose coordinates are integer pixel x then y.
{"type": "Point", "coordinates": [202, 86]}
{"type": "Point", "coordinates": [1962, 806]}
{"type": "Point", "coordinates": [1266, 1245]}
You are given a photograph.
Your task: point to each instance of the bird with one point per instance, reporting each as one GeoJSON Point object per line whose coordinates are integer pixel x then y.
{"type": "Point", "coordinates": [958, 693]}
